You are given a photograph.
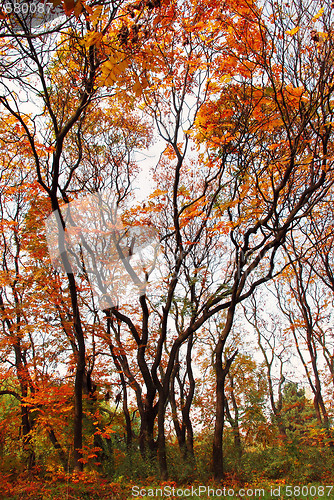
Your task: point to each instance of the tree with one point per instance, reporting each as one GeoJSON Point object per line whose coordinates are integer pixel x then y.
{"type": "Point", "coordinates": [310, 256]}
{"type": "Point", "coordinates": [60, 76]}
{"type": "Point", "coordinates": [234, 178]}
{"type": "Point", "coordinates": [273, 346]}
{"type": "Point", "coordinates": [304, 321]}
{"type": "Point", "coordinates": [184, 430]}
{"type": "Point", "coordinates": [26, 344]}
{"type": "Point", "coordinates": [265, 123]}
{"type": "Point", "coordinates": [298, 412]}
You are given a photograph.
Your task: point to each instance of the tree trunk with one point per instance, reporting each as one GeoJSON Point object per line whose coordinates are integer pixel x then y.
{"type": "Point", "coordinates": [77, 427]}
{"type": "Point", "coordinates": [234, 422]}
{"type": "Point", "coordinates": [180, 430]}
{"type": "Point", "coordinates": [162, 455]}
{"type": "Point", "coordinates": [221, 372]}
{"type": "Point", "coordinates": [79, 336]}
{"type": "Point", "coordinates": [189, 399]}
{"type": "Point", "coordinates": [146, 437]}
{"type": "Point", "coordinates": [60, 451]}
{"type": "Point", "coordinates": [126, 413]}
{"type": "Point", "coordinates": [217, 449]}
{"type": "Point", "coordinates": [24, 381]}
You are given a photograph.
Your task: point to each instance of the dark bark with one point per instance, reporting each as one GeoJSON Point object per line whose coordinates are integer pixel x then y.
{"type": "Point", "coordinates": [25, 384]}
{"type": "Point", "coordinates": [162, 454]}
{"type": "Point", "coordinates": [179, 428]}
{"type": "Point", "coordinates": [146, 406]}
{"type": "Point", "coordinates": [221, 372]}
{"type": "Point", "coordinates": [80, 355]}
{"type": "Point", "coordinates": [234, 421]}
{"type": "Point", "coordinates": [188, 402]}
{"type": "Point", "coordinates": [128, 426]}
{"type": "Point", "coordinates": [184, 430]}
{"type": "Point", "coordinates": [147, 442]}
{"type": "Point", "coordinates": [62, 455]}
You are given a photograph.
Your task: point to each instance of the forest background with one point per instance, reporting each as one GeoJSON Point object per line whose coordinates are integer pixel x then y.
{"type": "Point", "coordinates": [189, 336]}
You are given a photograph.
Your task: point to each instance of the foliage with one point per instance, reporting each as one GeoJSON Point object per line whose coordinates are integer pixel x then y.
{"type": "Point", "coordinates": [123, 347]}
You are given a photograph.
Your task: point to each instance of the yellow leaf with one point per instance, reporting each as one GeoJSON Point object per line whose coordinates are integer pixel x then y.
{"type": "Point", "coordinates": [108, 66]}
{"type": "Point", "coordinates": [122, 66]}
{"type": "Point", "coordinates": [320, 13]}
{"type": "Point", "coordinates": [94, 18]}
{"type": "Point", "coordinates": [137, 88]}
{"type": "Point", "coordinates": [158, 192]}
{"type": "Point", "coordinates": [293, 31]}
{"type": "Point", "coordinates": [93, 38]}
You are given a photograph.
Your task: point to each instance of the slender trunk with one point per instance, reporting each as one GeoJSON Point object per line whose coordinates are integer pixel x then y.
{"type": "Point", "coordinates": [58, 448]}
{"type": "Point", "coordinates": [301, 297]}
{"type": "Point", "coordinates": [77, 427]}
{"type": "Point", "coordinates": [234, 422]}
{"type": "Point", "coordinates": [217, 448]}
{"type": "Point", "coordinates": [221, 372]}
{"type": "Point", "coordinates": [23, 377]}
{"type": "Point", "coordinates": [164, 394]}
{"type": "Point", "coordinates": [79, 336]}
{"type": "Point", "coordinates": [237, 440]}
{"type": "Point", "coordinates": [119, 366]}
{"type": "Point", "coordinates": [319, 405]}
{"type": "Point", "coordinates": [180, 430]}
{"type": "Point", "coordinates": [184, 430]}
{"type": "Point", "coordinates": [26, 433]}
{"type": "Point", "coordinates": [189, 399]}
{"type": "Point", "coordinates": [24, 381]}
{"type": "Point", "coordinates": [190, 439]}
{"type": "Point", "coordinates": [126, 413]}
{"type": "Point", "coordinates": [162, 455]}
{"type": "Point", "coordinates": [276, 406]}
{"type": "Point", "coordinates": [147, 408]}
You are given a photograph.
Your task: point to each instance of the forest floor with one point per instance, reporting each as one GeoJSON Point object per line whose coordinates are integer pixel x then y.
{"type": "Point", "coordinates": [87, 486]}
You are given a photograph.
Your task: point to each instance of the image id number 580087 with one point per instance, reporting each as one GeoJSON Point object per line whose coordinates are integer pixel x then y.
{"type": "Point", "coordinates": [26, 7]}
{"type": "Point", "coordinates": [304, 491]}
